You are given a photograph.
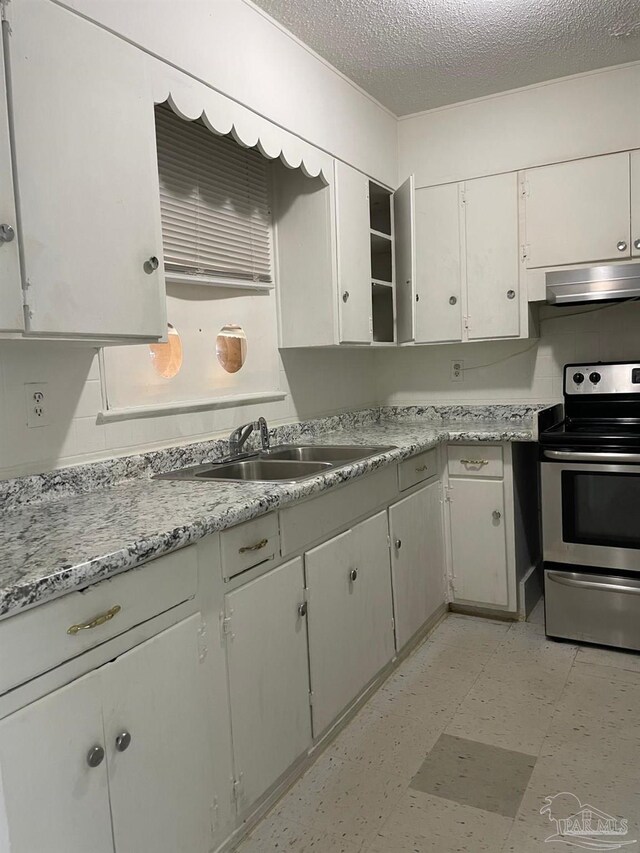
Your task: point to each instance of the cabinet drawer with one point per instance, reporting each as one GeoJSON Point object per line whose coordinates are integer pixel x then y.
{"type": "Point", "coordinates": [39, 639]}
{"type": "Point", "coordinates": [249, 544]}
{"type": "Point", "coordinates": [475, 460]}
{"type": "Point", "coordinates": [417, 468]}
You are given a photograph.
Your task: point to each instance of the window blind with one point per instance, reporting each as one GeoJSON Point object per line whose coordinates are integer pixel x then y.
{"type": "Point", "coordinates": [214, 200]}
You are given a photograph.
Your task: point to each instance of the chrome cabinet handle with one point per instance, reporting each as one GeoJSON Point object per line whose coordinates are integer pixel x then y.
{"type": "Point", "coordinates": [398, 544]}
{"type": "Point", "coordinates": [345, 296]}
{"type": "Point", "coordinates": [453, 300]}
{"type": "Point", "coordinates": [95, 756]}
{"type": "Point", "coordinates": [257, 547]}
{"type": "Point", "coordinates": [621, 246]}
{"type": "Point", "coordinates": [302, 609]}
{"type": "Point", "coordinates": [6, 233]}
{"type": "Point", "coordinates": [151, 264]}
{"type": "Point", "coordinates": [122, 741]}
{"type": "Point", "coordinates": [474, 461]}
{"type": "Point", "coordinates": [353, 575]}
{"type": "Point", "coordinates": [511, 294]}
{"type": "Point", "coordinates": [636, 244]}
{"type": "Point", "coordinates": [497, 515]}
{"type": "Point", "coordinates": [95, 623]}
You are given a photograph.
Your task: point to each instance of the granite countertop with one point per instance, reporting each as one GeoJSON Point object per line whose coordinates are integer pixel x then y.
{"type": "Point", "coordinates": [51, 546]}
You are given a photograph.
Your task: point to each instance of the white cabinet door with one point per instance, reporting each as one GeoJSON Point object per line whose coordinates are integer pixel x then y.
{"type": "Point", "coordinates": [350, 616]}
{"type": "Point", "coordinates": [635, 204]}
{"type": "Point", "coordinates": [11, 315]}
{"type": "Point", "coordinates": [161, 784]}
{"type": "Point", "coordinates": [268, 677]}
{"type": "Point", "coordinates": [417, 560]}
{"type": "Point", "coordinates": [51, 799]}
{"type": "Point", "coordinates": [87, 181]}
{"type": "Point", "coordinates": [354, 254]}
{"type": "Point", "coordinates": [577, 212]}
{"type": "Point", "coordinates": [492, 254]}
{"type": "Point", "coordinates": [478, 541]}
{"type": "Point", "coordinates": [404, 218]}
{"type": "Point", "coordinates": [438, 264]}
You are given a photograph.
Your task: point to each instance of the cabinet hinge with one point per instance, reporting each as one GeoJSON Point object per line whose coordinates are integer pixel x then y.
{"type": "Point", "coordinates": [524, 251]}
{"type": "Point", "coordinates": [524, 188]}
{"type": "Point", "coordinates": [388, 542]}
{"type": "Point", "coordinates": [237, 788]}
{"type": "Point", "coordinates": [463, 197]}
{"type": "Point", "coordinates": [4, 15]}
{"type": "Point", "coordinates": [226, 628]}
{"type": "Point", "coordinates": [213, 815]}
{"type": "Point", "coordinates": [447, 494]}
{"type": "Point", "coordinates": [311, 698]}
{"type": "Point", "coordinates": [467, 321]}
{"type": "Point", "coordinates": [202, 641]}
{"type": "Point", "coordinates": [393, 624]}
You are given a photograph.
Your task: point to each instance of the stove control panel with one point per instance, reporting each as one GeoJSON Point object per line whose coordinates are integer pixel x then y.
{"type": "Point", "coordinates": [619, 378]}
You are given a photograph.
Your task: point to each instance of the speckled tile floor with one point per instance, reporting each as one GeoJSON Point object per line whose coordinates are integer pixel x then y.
{"type": "Point", "coordinates": [484, 726]}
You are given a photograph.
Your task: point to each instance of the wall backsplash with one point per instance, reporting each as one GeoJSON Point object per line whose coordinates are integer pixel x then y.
{"type": "Point", "coordinates": [519, 371]}
{"type": "Point", "coordinates": [318, 382]}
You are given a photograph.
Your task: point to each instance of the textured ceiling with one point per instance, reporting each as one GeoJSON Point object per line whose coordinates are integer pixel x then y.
{"type": "Point", "coordinates": [413, 55]}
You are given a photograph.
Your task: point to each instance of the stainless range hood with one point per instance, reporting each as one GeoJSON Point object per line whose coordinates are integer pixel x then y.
{"type": "Point", "coordinates": [593, 284]}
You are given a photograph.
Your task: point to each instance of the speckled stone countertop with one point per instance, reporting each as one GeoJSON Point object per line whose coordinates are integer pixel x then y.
{"type": "Point", "coordinates": [94, 525]}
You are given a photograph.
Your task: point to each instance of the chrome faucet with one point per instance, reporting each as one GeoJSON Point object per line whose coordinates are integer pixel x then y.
{"type": "Point", "coordinates": [239, 436]}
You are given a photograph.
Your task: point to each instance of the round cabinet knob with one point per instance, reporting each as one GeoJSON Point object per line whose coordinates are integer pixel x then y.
{"type": "Point", "coordinates": [122, 741]}
{"type": "Point", "coordinates": [595, 377]}
{"type": "Point", "coordinates": [578, 378]}
{"type": "Point", "coordinates": [6, 233]}
{"type": "Point", "coordinates": [95, 756]}
{"type": "Point", "coordinates": [302, 609]}
{"type": "Point", "coordinates": [345, 296]}
{"type": "Point", "coordinates": [151, 265]}
{"type": "Point", "coordinates": [353, 575]}
{"type": "Point", "coordinates": [511, 294]}
{"type": "Point", "coordinates": [636, 244]}
{"type": "Point", "coordinates": [497, 515]}
{"type": "Point", "coordinates": [621, 246]}
{"type": "Point", "coordinates": [398, 544]}
{"type": "Point", "coordinates": [453, 300]}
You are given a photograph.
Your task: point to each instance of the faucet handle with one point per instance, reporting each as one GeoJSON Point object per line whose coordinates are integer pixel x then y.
{"type": "Point", "coordinates": [261, 425]}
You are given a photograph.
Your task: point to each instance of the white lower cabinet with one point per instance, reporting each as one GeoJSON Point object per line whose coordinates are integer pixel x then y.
{"type": "Point", "coordinates": [417, 560]}
{"type": "Point", "coordinates": [113, 749]}
{"type": "Point", "coordinates": [478, 541]}
{"type": "Point", "coordinates": [350, 616]}
{"type": "Point", "coordinates": [268, 677]}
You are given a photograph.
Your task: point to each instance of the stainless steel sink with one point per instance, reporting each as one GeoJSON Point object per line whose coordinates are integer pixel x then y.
{"type": "Point", "coordinates": [285, 463]}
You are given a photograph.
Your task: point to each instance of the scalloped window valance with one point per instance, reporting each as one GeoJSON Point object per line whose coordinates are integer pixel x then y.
{"type": "Point", "coordinates": [193, 100]}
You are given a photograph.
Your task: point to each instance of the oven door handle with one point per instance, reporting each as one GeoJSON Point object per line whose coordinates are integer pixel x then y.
{"type": "Point", "coordinates": [577, 456]}
{"type": "Point", "coordinates": [581, 584]}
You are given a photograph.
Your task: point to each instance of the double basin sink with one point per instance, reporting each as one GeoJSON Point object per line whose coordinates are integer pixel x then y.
{"type": "Point", "coordinates": [286, 463]}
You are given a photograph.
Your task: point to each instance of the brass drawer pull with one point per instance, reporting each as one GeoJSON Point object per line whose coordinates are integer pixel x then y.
{"type": "Point", "coordinates": [422, 468]}
{"type": "Point", "coordinates": [474, 461]}
{"type": "Point", "coordinates": [95, 623]}
{"type": "Point", "coordinates": [261, 544]}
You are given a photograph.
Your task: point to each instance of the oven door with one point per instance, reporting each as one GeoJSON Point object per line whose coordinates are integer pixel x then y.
{"type": "Point", "coordinates": [591, 508]}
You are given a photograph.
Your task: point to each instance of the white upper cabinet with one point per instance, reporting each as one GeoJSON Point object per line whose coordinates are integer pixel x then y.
{"type": "Point", "coordinates": [87, 182]}
{"type": "Point", "coordinates": [354, 255]}
{"type": "Point", "coordinates": [635, 204]}
{"type": "Point", "coordinates": [492, 258]}
{"type": "Point", "coordinates": [404, 209]}
{"type": "Point", "coordinates": [11, 316]}
{"type": "Point", "coordinates": [438, 265]}
{"type": "Point", "coordinates": [577, 212]}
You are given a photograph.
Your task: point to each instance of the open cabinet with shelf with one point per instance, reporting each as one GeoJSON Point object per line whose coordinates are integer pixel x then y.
{"type": "Point", "coordinates": [382, 266]}
{"type": "Point", "coordinates": [382, 305]}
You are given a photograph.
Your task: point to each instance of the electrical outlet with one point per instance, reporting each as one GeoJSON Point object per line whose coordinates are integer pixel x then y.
{"type": "Point", "coordinates": [457, 371]}
{"type": "Point", "coordinates": [35, 394]}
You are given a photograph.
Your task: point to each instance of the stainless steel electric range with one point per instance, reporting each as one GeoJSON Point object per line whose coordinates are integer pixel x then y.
{"type": "Point", "coordinates": [590, 477]}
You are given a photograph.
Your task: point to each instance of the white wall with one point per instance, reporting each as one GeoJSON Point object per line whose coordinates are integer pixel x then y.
{"type": "Point", "coordinates": [522, 371]}
{"type": "Point", "coordinates": [318, 382]}
{"type": "Point", "coordinates": [579, 116]}
{"type": "Point", "coordinates": [235, 48]}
